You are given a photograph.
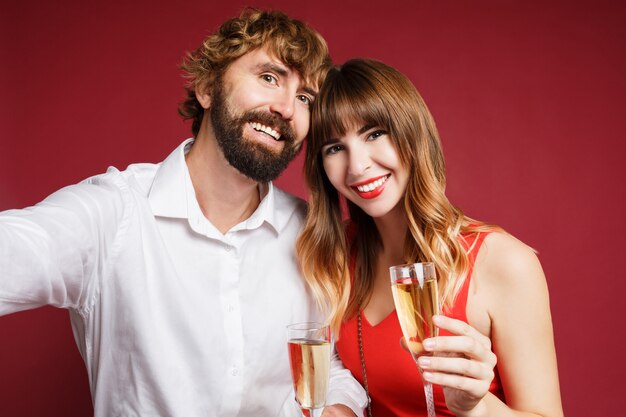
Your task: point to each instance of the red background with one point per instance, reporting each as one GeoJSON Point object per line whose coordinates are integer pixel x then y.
{"type": "Point", "coordinates": [529, 97]}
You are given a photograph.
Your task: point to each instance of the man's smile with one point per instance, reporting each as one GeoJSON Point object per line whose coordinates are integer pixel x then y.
{"type": "Point", "coordinates": [265, 129]}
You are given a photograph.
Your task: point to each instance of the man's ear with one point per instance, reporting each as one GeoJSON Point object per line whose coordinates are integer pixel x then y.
{"type": "Point", "coordinates": [203, 96]}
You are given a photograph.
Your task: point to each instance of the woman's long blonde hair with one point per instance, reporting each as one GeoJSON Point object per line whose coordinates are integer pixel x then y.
{"type": "Point", "coordinates": [373, 93]}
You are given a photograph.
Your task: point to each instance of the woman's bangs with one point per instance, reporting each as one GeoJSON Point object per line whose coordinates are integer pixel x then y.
{"type": "Point", "coordinates": [350, 107]}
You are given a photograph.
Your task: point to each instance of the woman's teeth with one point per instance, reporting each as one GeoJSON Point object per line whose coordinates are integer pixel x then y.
{"type": "Point", "coordinates": [372, 185]}
{"type": "Point", "coordinates": [265, 129]}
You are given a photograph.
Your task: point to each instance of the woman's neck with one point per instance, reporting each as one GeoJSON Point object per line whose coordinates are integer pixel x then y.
{"type": "Point", "coordinates": [392, 229]}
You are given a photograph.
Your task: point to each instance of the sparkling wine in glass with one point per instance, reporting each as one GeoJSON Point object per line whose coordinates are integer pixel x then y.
{"type": "Point", "coordinates": [415, 294]}
{"type": "Point", "coordinates": [309, 356]}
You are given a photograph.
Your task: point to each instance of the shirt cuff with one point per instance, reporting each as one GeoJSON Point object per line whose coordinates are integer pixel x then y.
{"type": "Point", "coordinates": [345, 399]}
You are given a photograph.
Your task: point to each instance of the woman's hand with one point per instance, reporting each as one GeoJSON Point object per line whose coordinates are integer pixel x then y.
{"type": "Point", "coordinates": [462, 364]}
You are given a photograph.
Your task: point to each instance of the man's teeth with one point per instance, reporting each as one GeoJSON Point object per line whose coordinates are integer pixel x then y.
{"type": "Point", "coordinates": [372, 185]}
{"type": "Point", "coordinates": [265, 129]}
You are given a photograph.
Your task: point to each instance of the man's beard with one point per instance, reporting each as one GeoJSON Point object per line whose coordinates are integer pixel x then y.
{"type": "Point", "coordinates": [253, 160]}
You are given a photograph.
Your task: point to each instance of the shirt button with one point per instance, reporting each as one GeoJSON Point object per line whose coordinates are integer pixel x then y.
{"type": "Point", "coordinates": [231, 308]}
{"type": "Point", "coordinates": [228, 248]}
{"type": "Point", "coordinates": [235, 372]}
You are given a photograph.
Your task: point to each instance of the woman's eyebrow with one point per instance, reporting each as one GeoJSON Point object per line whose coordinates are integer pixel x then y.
{"type": "Point", "coordinates": [330, 141]}
{"type": "Point", "coordinates": [364, 129]}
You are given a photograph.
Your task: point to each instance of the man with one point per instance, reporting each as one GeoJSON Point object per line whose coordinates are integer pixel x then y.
{"type": "Point", "coordinates": [180, 277]}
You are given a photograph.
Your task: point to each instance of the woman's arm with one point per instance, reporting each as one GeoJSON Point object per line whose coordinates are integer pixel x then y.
{"type": "Point", "coordinates": [511, 287]}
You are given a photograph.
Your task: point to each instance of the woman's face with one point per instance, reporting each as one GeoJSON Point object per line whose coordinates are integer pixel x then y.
{"type": "Point", "coordinates": [363, 166]}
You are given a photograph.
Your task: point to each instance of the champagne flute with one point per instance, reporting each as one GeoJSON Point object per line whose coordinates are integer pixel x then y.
{"type": "Point", "coordinates": [415, 294]}
{"type": "Point", "coordinates": [309, 356]}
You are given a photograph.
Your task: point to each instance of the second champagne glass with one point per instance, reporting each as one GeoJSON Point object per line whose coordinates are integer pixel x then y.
{"type": "Point", "coordinates": [415, 294]}
{"type": "Point", "coordinates": [309, 356]}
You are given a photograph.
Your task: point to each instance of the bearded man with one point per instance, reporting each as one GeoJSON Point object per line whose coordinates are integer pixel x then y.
{"type": "Point", "coordinates": [180, 277]}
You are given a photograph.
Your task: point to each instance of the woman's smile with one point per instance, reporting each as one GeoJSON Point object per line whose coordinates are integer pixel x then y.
{"type": "Point", "coordinates": [371, 188]}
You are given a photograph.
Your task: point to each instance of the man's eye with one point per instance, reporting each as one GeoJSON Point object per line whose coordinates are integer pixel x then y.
{"type": "Point", "coordinates": [305, 99]}
{"type": "Point", "coordinates": [270, 79]}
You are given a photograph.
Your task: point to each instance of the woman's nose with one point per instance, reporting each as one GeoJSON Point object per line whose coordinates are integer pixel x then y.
{"type": "Point", "coordinates": [359, 161]}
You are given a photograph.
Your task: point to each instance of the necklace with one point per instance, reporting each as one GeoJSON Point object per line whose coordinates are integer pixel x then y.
{"type": "Point", "coordinates": [362, 356]}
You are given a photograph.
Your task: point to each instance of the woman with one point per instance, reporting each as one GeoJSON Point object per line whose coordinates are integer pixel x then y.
{"type": "Point", "coordinates": [374, 143]}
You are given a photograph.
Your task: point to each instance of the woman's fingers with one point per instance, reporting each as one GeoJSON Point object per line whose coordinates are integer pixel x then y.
{"type": "Point", "coordinates": [460, 328]}
{"type": "Point", "coordinates": [463, 345]}
{"type": "Point", "coordinates": [467, 340]}
{"type": "Point", "coordinates": [463, 361]}
{"type": "Point", "coordinates": [475, 388]}
{"type": "Point", "coordinates": [457, 366]}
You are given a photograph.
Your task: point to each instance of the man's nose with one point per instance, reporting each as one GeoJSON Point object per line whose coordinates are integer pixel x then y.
{"type": "Point", "coordinates": [283, 104]}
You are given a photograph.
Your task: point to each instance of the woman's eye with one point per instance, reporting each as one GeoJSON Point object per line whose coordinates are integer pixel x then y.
{"type": "Point", "coordinates": [375, 134]}
{"type": "Point", "coordinates": [330, 150]}
{"type": "Point", "coordinates": [270, 79]}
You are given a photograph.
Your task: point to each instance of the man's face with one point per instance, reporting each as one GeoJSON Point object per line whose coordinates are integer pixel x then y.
{"type": "Point", "coordinates": [260, 114]}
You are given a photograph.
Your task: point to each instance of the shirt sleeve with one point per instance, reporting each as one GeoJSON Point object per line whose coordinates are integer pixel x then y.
{"type": "Point", "coordinates": [53, 252]}
{"type": "Point", "coordinates": [343, 388]}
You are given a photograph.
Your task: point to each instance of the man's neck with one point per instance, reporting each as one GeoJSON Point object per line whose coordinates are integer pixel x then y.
{"type": "Point", "coordinates": [225, 196]}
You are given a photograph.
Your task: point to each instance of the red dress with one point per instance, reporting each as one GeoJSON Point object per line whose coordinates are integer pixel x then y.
{"type": "Point", "coordinates": [395, 386]}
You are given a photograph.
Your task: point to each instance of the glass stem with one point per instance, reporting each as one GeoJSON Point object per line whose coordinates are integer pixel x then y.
{"type": "Point", "coordinates": [430, 400]}
{"type": "Point", "coordinates": [428, 393]}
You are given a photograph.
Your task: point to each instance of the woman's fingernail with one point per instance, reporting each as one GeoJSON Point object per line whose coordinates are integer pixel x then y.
{"type": "Point", "coordinates": [428, 376]}
{"type": "Point", "coordinates": [437, 319]}
{"type": "Point", "coordinates": [429, 344]}
{"type": "Point", "coordinates": [424, 362]}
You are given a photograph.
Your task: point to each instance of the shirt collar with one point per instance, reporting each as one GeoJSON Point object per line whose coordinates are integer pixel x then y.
{"type": "Point", "coordinates": [265, 212]}
{"type": "Point", "coordinates": [172, 195]}
{"type": "Point", "coordinates": [168, 196]}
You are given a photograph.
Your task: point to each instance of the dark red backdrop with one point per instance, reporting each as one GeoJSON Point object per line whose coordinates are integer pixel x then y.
{"type": "Point", "coordinates": [530, 99]}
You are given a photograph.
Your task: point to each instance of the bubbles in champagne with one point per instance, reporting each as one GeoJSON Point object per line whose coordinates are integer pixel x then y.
{"type": "Point", "coordinates": [310, 365]}
{"type": "Point", "coordinates": [415, 307]}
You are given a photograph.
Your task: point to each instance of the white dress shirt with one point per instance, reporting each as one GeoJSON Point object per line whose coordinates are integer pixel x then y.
{"type": "Point", "coordinates": [172, 317]}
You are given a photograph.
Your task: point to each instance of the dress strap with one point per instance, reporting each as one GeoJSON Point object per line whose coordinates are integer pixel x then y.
{"type": "Point", "coordinates": [472, 243]}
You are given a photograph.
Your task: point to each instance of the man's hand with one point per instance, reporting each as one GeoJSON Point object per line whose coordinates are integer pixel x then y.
{"type": "Point", "coordinates": [337, 410]}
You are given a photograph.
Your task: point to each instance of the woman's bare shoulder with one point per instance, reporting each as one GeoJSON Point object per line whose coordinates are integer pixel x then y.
{"type": "Point", "coordinates": [507, 264]}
